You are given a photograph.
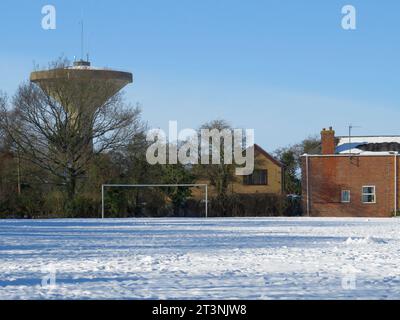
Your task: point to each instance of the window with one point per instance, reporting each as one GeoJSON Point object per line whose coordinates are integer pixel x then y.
{"type": "Point", "coordinates": [345, 196]}
{"type": "Point", "coordinates": [368, 194]}
{"type": "Point", "coordinates": [259, 177]}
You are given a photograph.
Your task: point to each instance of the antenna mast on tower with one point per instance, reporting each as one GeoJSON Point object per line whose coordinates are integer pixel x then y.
{"type": "Point", "coordinates": [82, 62]}
{"type": "Point", "coordinates": [82, 39]}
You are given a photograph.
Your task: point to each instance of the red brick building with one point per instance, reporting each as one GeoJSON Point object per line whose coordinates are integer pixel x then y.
{"type": "Point", "coordinates": [352, 177]}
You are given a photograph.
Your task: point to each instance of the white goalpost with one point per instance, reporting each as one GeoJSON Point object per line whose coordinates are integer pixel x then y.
{"type": "Point", "coordinates": [104, 186]}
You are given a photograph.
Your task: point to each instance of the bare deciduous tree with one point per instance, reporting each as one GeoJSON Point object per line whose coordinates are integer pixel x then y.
{"type": "Point", "coordinates": [220, 175]}
{"type": "Point", "coordinates": [61, 127]}
{"type": "Point", "coordinates": [3, 103]}
{"type": "Point", "coordinates": [291, 158]}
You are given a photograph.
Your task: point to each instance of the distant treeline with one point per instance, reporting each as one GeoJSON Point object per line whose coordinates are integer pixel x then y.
{"type": "Point", "coordinates": [54, 160]}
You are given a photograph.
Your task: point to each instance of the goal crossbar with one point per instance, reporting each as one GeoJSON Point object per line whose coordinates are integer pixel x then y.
{"type": "Point", "coordinates": [104, 186]}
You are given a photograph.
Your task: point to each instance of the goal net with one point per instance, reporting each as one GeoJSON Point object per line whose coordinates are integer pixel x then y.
{"type": "Point", "coordinates": [154, 200]}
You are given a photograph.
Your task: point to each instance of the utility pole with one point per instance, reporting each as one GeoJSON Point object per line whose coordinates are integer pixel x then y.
{"type": "Point", "coordinates": [351, 127]}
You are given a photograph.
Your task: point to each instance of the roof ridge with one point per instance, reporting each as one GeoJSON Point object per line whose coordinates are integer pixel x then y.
{"type": "Point", "coordinates": [371, 136]}
{"type": "Point", "coordinates": [268, 155]}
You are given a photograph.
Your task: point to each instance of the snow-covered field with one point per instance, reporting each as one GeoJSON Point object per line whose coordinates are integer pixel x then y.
{"type": "Point", "coordinates": [271, 258]}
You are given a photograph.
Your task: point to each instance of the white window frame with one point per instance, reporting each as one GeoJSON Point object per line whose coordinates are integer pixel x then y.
{"type": "Point", "coordinates": [368, 194]}
{"type": "Point", "coordinates": [341, 196]}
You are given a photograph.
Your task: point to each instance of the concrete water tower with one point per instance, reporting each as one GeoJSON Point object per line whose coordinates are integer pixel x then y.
{"type": "Point", "coordinates": [81, 88]}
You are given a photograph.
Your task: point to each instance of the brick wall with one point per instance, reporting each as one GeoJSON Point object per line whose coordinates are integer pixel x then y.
{"type": "Point", "coordinates": [329, 175]}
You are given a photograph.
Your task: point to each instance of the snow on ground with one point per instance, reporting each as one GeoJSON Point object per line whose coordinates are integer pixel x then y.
{"type": "Point", "coordinates": [268, 258]}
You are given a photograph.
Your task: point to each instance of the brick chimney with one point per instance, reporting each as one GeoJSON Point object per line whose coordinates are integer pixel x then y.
{"type": "Point", "coordinates": [328, 141]}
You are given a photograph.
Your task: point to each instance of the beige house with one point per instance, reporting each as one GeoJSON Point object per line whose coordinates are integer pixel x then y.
{"type": "Point", "coordinates": [267, 177]}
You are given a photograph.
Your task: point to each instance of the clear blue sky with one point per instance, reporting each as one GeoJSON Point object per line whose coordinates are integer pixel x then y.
{"type": "Point", "coordinates": [283, 67]}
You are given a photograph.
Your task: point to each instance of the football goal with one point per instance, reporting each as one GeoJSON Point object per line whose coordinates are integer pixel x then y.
{"type": "Point", "coordinates": [107, 187]}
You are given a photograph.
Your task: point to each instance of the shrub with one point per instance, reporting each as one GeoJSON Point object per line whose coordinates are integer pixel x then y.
{"type": "Point", "coordinates": [253, 205]}
{"type": "Point", "coordinates": [82, 207]}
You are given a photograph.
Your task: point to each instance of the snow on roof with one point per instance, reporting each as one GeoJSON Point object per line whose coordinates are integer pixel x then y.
{"type": "Point", "coordinates": [350, 145]}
